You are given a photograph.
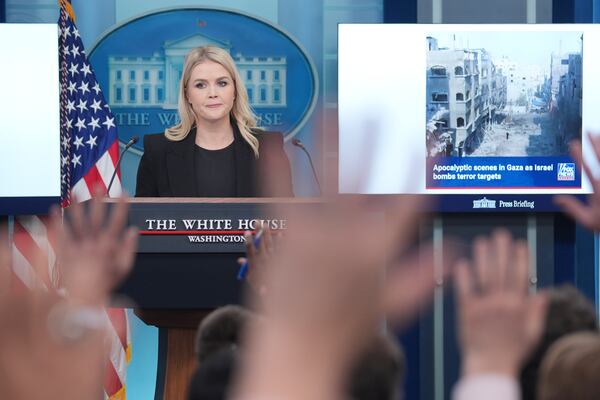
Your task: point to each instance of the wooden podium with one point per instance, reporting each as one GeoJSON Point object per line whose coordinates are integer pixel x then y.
{"type": "Point", "coordinates": [186, 267]}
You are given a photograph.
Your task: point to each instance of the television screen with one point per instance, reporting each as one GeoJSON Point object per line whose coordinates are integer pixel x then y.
{"type": "Point", "coordinates": [29, 118]}
{"type": "Point", "coordinates": [465, 109]}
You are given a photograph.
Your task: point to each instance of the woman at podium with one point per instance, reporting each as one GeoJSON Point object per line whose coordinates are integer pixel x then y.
{"type": "Point", "coordinates": [217, 149]}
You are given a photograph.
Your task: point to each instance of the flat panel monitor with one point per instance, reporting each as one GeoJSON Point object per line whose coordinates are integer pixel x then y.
{"type": "Point", "coordinates": [479, 114]}
{"type": "Point", "coordinates": [29, 118]}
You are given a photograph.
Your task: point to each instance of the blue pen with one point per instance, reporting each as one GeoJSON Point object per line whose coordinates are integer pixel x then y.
{"type": "Point", "coordinates": [243, 271]}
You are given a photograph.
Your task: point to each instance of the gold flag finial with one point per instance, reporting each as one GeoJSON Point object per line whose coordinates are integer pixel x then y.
{"type": "Point", "coordinates": [66, 5]}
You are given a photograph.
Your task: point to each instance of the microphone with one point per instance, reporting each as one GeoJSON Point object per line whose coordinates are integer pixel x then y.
{"type": "Point", "coordinates": [131, 142]}
{"type": "Point", "coordinates": [298, 143]}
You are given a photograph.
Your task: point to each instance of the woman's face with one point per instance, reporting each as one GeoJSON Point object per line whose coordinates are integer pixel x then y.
{"type": "Point", "coordinates": [211, 92]}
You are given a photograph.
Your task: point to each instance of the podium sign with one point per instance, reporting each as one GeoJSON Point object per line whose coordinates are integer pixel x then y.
{"type": "Point", "coordinates": [189, 246]}
{"type": "Point", "coordinates": [198, 227]}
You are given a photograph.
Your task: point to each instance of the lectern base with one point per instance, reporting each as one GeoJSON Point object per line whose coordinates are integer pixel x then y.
{"type": "Point", "coordinates": [176, 358]}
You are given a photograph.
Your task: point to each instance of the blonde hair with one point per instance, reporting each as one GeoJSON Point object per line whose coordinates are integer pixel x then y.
{"type": "Point", "coordinates": [241, 112]}
{"type": "Point", "coordinates": [570, 368]}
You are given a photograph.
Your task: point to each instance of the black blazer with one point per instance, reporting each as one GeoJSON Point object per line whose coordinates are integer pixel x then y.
{"type": "Point", "coordinates": [167, 167]}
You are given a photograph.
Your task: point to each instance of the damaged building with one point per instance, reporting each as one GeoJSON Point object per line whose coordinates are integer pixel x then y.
{"type": "Point", "coordinates": [464, 90]}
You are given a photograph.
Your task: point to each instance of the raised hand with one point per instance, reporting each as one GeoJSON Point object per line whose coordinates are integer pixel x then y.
{"type": "Point", "coordinates": [499, 323]}
{"type": "Point", "coordinates": [96, 250]}
{"type": "Point", "coordinates": [48, 348]}
{"type": "Point", "coordinates": [587, 215]}
{"type": "Point", "coordinates": [327, 291]}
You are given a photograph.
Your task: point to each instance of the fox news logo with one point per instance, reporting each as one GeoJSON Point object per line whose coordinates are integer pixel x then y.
{"type": "Point", "coordinates": [566, 171]}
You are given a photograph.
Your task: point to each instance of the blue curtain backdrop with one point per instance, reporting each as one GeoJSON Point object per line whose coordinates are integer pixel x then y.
{"type": "Point", "coordinates": [396, 12]}
{"type": "Point", "coordinates": [595, 12]}
{"type": "Point", "coordinates": [563, 11]}
{"type": "Point", "coordinates": [2, 10]}
{"type": "Point", "coordinates": [579, 11]}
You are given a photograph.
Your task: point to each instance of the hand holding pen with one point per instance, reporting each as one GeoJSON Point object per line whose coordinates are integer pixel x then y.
{"type": "Point", "coordinates": [259, 247]}
{"type": "Point", "coordinates": [252, 243]}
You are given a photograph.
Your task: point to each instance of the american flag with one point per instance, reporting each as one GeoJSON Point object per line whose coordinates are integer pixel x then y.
{"type": "Point", "coordinates": [89, 153]}
{"type": "Point", "coordinates": [89, 142]}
